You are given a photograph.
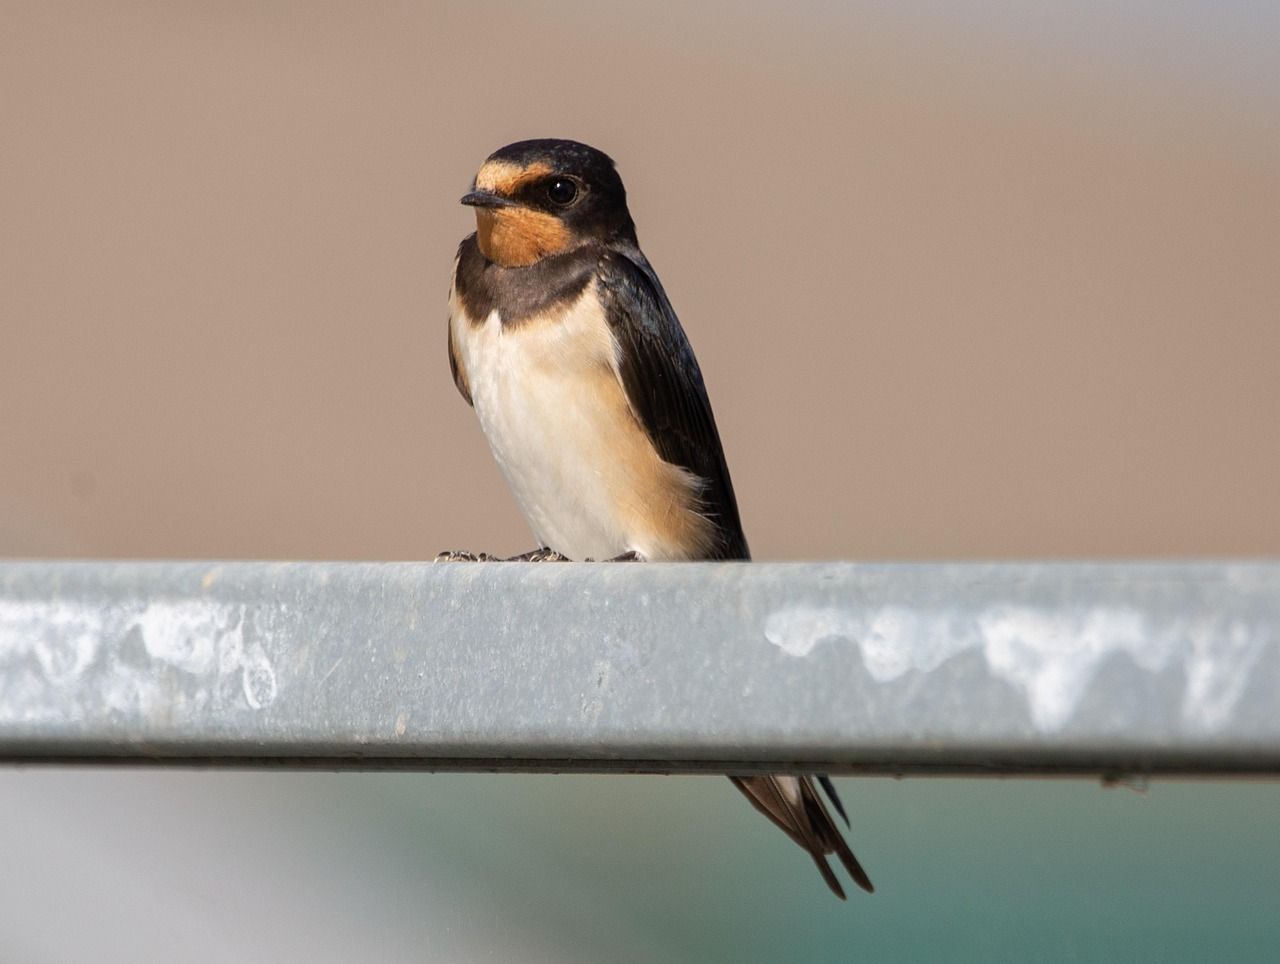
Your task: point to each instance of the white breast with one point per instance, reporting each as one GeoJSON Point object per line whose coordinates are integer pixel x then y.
{"type": "Point", "coordinates": [551, 404]}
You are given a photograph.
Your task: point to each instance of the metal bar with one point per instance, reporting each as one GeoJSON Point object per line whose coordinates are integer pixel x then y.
{"type": "Point", "coordinates": [1120, 668]}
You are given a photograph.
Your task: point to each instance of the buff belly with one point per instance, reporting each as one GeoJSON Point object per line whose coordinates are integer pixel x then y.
{"type": "Point", "coordinates": [582, 469]}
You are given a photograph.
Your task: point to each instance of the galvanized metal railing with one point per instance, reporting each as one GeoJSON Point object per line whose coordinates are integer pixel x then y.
{"type": "Point", "coordinates": [1116, 668]}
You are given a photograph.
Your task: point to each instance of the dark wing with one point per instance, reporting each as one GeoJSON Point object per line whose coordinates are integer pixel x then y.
{"type": "Point", "coordinates": [455, 306]}
{"type": "Point", "coordinates": [664, 387]}
{"type": "Point", "coordinates": [459, 374]}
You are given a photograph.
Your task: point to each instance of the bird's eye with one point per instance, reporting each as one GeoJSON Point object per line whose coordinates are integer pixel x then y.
{"type": "Point", "coordinates": [562, 191]}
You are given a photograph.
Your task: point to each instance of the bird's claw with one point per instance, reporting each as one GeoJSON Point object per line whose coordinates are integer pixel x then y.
{"type": "Point", "coordinates": [541, 554]}
{"type": "Point", "coordinates": [461, 555]}
{"type": "Point", "coordinates": [533, 555]}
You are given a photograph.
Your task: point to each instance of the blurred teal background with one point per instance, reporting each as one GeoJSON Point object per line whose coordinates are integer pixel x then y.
{"type": "Point", "coordinates": [128, 866]}
{"type": "Point", "coordinates": [967, 280]}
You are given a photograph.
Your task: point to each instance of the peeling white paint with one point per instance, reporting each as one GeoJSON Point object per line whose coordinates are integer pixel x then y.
{"type": "Point", "coordinates": [46, 646]}
{"type": "Point", "coordinates": [1053, 656]}
{"type": "Point", "coordinates": [62, 638]}
{"type": "Point", "coordinates": [893, 641]}
{"type": "Point", "coordinates": [188, 635]}
{"type": "Point", "coordinates": [798, 629]}
{"type": "Point", "coordinates": [258, 678]}
{"type": "Point", "coordinates": [900, 639]}
{"type": "Point", "coordinates": [1218, 667]}
{"type": "Point", "coordinates": [1050, 657]}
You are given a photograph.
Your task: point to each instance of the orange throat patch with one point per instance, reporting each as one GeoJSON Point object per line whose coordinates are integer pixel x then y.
{"type": "Point", "coordinates": [516, 237]}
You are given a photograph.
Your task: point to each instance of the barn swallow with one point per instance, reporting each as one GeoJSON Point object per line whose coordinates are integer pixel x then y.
{"type": "Point", "coordinates": [563, 341]}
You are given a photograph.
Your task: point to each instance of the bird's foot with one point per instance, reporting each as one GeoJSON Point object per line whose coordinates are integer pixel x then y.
{"type": "Point", "coordinates": [541, 554]}
{"type": "Point", "coordinates": [461, 555]}
{"type": "Point", "coordinates": [631, 556]}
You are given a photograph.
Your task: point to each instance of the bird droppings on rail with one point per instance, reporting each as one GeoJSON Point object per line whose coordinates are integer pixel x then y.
{"type": "Point", "coordinates": [1049, 656]}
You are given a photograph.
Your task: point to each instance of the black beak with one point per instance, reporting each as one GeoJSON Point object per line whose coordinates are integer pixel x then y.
{"type": "Point", "coordinates": [486, 199]}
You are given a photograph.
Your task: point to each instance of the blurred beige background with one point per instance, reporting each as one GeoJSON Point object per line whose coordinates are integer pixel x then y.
{"type": "Point", "coordinates": [959, 286]}
{"type": "Point", "coordinates": [966, 280]}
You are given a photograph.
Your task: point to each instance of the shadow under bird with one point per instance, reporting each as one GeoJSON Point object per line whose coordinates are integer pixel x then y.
{"type": "Point", "coordinates": [562, 339]}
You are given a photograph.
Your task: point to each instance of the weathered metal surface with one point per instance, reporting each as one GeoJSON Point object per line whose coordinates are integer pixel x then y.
{"type": "Point", "coordinates": [1109, 668]}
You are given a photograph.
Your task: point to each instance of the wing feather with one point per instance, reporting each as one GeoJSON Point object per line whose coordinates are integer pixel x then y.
{"type": "Point", "coordinates": [459, 372]}
{"type": "Point", "coordinates": [665, 389]}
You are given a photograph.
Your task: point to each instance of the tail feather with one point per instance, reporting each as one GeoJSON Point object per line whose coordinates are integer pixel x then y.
{"type": "Point", "coordinates": [828, 875]}
{"type": "Point", "coordinates": [829, 789]}
{"type": "Point", "coordinates": [793, 805]}
{"type": "Point", "coordinates": [833, 837]}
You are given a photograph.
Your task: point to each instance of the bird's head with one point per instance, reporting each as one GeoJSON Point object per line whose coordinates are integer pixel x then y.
{"type": "Point", "coordinates": [535, 199]}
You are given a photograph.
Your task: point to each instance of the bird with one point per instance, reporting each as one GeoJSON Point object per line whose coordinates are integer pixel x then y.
{"type": "Point", "coordinates": [565, 344]}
